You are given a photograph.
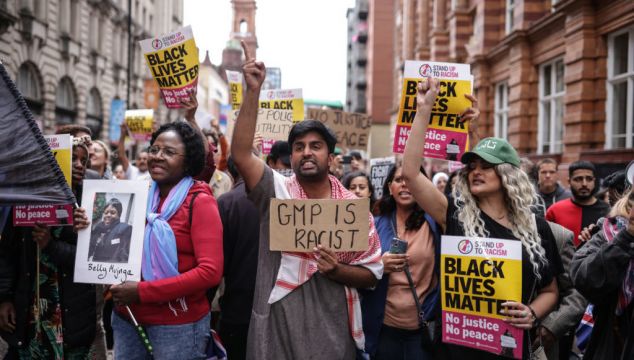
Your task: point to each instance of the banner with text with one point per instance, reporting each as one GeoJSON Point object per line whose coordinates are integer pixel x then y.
{"type": "Point", "coordinates": [477, 276]}
{"type": "Point", "coordinates": [173, 62]}
{"type": "Point", "coordinates": [447, 136]}
{"type": "Point", "coordinates": [28, 215]}
{"type": "Point", "coordinates": [291, 99]}
{"type": "Point", "coordinates": [235, 89]}
{"type": "Point", "coordinates": [352, 129]}
{"type": "Point", "coordinates": [301, 225]}
{"type": "Point", "coordinates": [140, 123]}
{"type": "Point", "coordinates": [379, 168]}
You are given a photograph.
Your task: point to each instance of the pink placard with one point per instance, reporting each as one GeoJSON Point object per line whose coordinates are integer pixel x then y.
{"type": "Point", "coordinates": [28, 215]}
{"type": "Point", "coordinates": [483, 333]}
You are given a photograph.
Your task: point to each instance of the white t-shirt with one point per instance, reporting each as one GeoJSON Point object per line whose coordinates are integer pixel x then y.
{"type": "Point", "coordinates": [133, 173]}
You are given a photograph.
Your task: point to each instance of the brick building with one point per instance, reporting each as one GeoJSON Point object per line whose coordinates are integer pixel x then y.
{"type": "Point", "coordinates": [554, 77]}
{"type": "Point", "coordinates": [69, 57]}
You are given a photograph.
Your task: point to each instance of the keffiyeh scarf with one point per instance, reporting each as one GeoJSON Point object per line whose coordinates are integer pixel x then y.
{"type": "Point", "coordinates": [298, 268]}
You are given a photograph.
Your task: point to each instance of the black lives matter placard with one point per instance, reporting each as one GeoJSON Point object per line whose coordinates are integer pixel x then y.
{"type": "Point", "coordinates": [477, 276]}
{"type": "Point", "coordinates": [173, 61]}
{"type": "Point", "coordinates": [301, 225]}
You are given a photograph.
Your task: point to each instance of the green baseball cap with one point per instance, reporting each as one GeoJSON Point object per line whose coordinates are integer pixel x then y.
{"type": "Point", "coordinates": [493, 150]}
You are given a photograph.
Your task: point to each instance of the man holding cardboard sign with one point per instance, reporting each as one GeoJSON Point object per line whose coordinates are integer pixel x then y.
{"type": "Point", "coordinates": [313, 292]}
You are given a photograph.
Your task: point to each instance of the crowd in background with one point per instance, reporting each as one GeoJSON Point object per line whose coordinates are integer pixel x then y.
{"type": "Point", "coordinates": [203, 236]}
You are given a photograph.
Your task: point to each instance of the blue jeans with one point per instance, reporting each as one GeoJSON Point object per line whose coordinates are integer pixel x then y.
{"type": "Point", "coordinates": [400, 344]}
{"type": "Point", "coordinates": [187, 341]}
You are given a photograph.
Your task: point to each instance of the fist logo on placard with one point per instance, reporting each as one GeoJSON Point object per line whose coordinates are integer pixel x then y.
{"type": "Point", "coordinates": [425, 70]}
{"type": "Point", "coordinates": [465, 246]}
{"type": "Point", "coordinates": [157, 44]}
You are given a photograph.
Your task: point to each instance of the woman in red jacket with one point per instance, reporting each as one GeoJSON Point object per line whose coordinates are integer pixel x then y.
{"type": "Point", "coordinates": [182, 255]}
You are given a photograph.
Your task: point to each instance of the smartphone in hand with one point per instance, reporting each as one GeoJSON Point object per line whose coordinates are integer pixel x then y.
{"type": "Point", "coordinates": [398, 246]}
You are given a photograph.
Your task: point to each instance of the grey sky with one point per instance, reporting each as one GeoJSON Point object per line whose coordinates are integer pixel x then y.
{"type": "Point", "coordinates": [305, 38]}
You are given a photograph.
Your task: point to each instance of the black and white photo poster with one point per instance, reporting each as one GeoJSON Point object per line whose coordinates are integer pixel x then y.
{"type": "Point", "coordinates": [109, 251]}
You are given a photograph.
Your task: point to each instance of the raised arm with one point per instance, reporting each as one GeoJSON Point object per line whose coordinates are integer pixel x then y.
{"type": "Point", "coordinates": [250, 167]}
{"type": "Point", "coordinates": [472, 114]}
{"type": "Point", "coordinates": [428, 197]}
{"type": "Point", "coordinates": [125, 162]}
{"type": "Point", "coordinates": [191, 105]}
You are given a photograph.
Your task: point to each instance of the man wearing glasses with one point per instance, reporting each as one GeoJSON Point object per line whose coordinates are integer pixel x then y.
{"type": "Point", "coordinates": [583, 208]}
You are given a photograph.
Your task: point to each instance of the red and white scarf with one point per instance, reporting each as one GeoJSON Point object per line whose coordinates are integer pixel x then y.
{"type": "Point", "coordinates": [297, 268]}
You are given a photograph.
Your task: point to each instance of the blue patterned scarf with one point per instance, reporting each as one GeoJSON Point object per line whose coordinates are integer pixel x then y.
{"type": "Point", "coordinates": [160, 258]}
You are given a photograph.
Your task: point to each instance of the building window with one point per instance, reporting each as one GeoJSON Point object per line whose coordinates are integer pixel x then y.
{"type": "Point", "coordinates": [619, 107]}
{"type": "Point", "coordinates": [93, 37]}
{"type": "Point", "coordinates": [551, 107]}
{"type": "Point", "coordinates": [75, 21]}
{"type": "Point", "coordinates": [94, 113]}
{"type": "Point", "coordinates": [509, 20]}
{"type": "Point", "coordinates": [63, 14]}
{"type": "Point", "coordinates": [501, 111]}
{"type": "Point", "coordinates": [40, 9]}
{"type": "Point", "coordinates": [30, 88]}
{"type": "Point", "coordinates": [65, 104]}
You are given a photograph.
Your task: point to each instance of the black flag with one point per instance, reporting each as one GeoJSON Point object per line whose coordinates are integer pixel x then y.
{"type": "Point", "coordinates": [29, 174]}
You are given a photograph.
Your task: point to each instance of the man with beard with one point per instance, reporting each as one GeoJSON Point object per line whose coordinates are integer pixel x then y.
{"type": "Point", "coordinates": [305, 305]}
{"type": "Point", "coordinates": [583, 208]}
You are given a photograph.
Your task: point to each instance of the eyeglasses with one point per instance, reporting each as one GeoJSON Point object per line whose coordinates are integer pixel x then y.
{"type": "Point", "coordinates": [167, 152]}
{"type": "Point", "coordinates": [579, 179]}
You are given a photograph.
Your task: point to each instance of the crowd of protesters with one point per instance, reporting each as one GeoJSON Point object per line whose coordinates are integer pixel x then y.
{"type": "Point", "coordinates": [207, 236]}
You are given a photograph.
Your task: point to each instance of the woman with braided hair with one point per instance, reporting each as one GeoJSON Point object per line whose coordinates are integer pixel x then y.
{"type": "Point", "coordinates": [492, 198]}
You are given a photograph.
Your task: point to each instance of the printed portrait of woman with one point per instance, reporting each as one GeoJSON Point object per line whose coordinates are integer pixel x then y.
{"type": "Point", "coordinates": [110, 237]}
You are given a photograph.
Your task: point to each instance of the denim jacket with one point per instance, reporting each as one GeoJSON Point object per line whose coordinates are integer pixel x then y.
{"type": "Point", "coordinates": [373, 301]}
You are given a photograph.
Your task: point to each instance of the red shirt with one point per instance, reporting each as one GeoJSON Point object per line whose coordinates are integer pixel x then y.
{"type": "Point", "coordinates": [200, 263]}
{"type": "Point", "coordinates": [575, 217]}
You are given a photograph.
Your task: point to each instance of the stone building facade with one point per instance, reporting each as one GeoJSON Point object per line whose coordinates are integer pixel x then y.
{"type": "Point", "coordinates": [554, 77]}
{"type": "Point", "coordinates": [69, 57]}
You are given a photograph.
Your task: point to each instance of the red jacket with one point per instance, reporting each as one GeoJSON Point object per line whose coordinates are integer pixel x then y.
{"type": "Point", "coordinates": [200, 263]}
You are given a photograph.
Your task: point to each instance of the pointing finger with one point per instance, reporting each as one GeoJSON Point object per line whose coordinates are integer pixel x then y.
{"type": "Point", "coordinates": [247, 54]}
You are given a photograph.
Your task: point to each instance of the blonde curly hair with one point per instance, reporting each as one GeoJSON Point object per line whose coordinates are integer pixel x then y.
{"type": "Point", "coordinates": [520, 198]}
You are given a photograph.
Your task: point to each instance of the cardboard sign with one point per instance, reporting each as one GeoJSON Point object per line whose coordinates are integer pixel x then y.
{"type": "Point", "coordinates": [60, 215]}
{"type": "Point", "coordinates": [235, 89]}
{"type": "Point", "coordinates": [301, 225]}
{"type": "Point", "coordinates": [274, 124]}
{"type": "Point", "coordinates": [477, 276]}
{"type": "Point", "coordinates": [140, 123]}
{"type": "Point", "coordinates": [352, 129]}
{"type": "Point", "coordinates": [173, 61]}
{"type": "Point", "coordinates": [109, 251]}
{"type": "Point", "coordinates": [379, 168]}
{"type": "Point", "coordinates": [284, 99]}
{"type": "Point", "coordinates": [447, 136]}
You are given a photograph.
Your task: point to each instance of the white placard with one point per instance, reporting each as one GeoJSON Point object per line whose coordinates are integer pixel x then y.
{"type": "Point", "coordinates": [109, 251]}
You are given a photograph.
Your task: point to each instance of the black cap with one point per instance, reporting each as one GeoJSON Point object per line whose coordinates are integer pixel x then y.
{"type": "Point", "coordinates": [280, 150]}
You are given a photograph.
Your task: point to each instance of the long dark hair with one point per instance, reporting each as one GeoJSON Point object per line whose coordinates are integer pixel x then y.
{"type": "Point", "coordinates": [387, 204]}
{"type": "Point", "coordinates": [347, 179]}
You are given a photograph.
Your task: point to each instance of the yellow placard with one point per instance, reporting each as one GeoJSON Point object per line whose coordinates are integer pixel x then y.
{"type": "Point", "coordinates": [61, 147]}
{"type": "Point", "coordinates": [140, 123]}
